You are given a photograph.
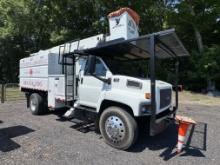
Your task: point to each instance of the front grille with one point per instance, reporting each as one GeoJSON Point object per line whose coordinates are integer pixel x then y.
{"type": "Point", "coordinates": [165, 97]}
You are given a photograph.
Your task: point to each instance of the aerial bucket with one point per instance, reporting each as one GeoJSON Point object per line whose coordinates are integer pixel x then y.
{"type": "Point", "coordinates": [123, 23]}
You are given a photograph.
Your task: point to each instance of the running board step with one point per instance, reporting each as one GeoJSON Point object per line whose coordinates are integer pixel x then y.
{"type": "Point", "coordinates": [85, 108]}
{"type": "Point", "coordinates": [70, 113]}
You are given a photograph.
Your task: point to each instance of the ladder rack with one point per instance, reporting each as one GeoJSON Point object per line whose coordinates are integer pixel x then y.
{"type": "Point", "coordinates": [67, 60]}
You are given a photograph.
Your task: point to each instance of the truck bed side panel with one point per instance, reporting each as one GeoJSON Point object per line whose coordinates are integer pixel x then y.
{"type": "Point", "coordinates": [34, 83]}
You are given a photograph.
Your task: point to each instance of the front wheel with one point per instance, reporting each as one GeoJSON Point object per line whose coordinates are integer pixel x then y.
{"type": "Point", "coordinates": [118, 128]}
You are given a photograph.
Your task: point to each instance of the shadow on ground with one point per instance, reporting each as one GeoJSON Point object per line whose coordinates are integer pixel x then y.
{"type": "Point", "coordinates": [84, 127]}
{"type": "Point", "coordinates": [195, 142]}
{"type": "Point", "coordinates": [79, 125]}
{"type": "Point", "coordinates": [6, 143]}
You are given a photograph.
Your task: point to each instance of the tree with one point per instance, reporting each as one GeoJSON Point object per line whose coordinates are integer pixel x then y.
{"type": "Point", "coordinates": [197, 22]}
{"type": "Point", "coordinates": [195, 16]}
{"type": "Point", "coordinates": [27, 26]}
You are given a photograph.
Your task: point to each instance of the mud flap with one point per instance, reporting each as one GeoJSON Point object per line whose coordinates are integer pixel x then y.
{"type": "Point", "coordinates": [27, 95]}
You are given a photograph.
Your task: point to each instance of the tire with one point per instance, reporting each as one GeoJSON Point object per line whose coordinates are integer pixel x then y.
{"type": "Point", "coordinates": [118, 128]}
{"type": "Point", "coordinates": [36, 104]}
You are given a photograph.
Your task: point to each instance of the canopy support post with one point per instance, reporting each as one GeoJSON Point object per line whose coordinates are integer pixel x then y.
{"type": "Point", "coordinates": [176, 85]}
{"type": "Point", "coordinates": [153, 85]}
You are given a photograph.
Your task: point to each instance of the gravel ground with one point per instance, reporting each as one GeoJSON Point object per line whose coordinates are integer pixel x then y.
{"type": "Point", "coordinates": [27, 139]}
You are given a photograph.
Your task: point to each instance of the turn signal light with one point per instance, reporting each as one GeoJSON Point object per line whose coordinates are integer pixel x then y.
{"type": "Point", "coordinates": [147, 95]}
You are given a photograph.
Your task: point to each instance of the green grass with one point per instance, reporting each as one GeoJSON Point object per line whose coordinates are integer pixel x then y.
{"type": "Point", "coordinates": [13, 94]}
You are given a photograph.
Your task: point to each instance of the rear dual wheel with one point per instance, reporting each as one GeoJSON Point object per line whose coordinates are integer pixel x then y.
{"type": "Point", "coordinates": [37, 105]}
{"type": "Point", "coordinates": [118, 128]}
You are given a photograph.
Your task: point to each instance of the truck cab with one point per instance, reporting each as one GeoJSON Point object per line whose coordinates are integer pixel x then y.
{"type": "Point", "coordinates": [128, 87]}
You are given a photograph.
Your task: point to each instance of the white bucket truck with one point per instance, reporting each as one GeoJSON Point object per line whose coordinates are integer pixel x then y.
{"type": "Point", "coordinates": [98, 78]}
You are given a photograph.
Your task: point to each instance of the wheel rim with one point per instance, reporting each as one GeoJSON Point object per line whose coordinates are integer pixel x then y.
{"type": "Point", "coordinates": [33, 105]}
{"type": "Point", "coordinates": [115, 129]}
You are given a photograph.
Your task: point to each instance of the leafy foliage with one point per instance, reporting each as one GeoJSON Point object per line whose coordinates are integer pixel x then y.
{"type": "Point", "coordinates": [27, 26]}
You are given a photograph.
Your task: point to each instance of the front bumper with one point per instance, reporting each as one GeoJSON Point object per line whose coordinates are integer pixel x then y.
{"type": "Point", "coordinates": [162, 121]}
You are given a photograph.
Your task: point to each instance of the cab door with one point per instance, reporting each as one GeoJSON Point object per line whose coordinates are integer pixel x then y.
{"type": "Point", "coordinates": [90, 88]}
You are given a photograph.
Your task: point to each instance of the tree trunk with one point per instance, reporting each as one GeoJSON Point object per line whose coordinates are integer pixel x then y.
{"type": "Point", "coordinates": [199, 40]}
{"type": "Point", "coordinates": [211, 88]}
{"type": "Point", "coordinates": [198, 35]}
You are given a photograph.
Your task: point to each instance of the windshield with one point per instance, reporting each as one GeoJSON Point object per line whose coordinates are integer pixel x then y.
{"type": "Point", "coordinates": [128, 67]}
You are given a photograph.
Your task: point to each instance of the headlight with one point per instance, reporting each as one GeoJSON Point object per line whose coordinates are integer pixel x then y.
{"type": "Point", "coordinates": [145, 109]}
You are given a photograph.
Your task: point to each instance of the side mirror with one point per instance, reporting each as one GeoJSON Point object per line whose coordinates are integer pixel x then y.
{"type": "Point", "coordinates": [91, 64]}
{"type": "Point", "coordinates": [179, 88]}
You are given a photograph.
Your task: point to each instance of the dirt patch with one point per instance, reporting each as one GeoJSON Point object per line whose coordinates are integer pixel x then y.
{"type": "Point", "coordinates": [196, 98]}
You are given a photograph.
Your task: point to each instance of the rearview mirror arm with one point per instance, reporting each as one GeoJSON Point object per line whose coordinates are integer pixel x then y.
{"type": "Point", "coordinates": [108, 80]}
